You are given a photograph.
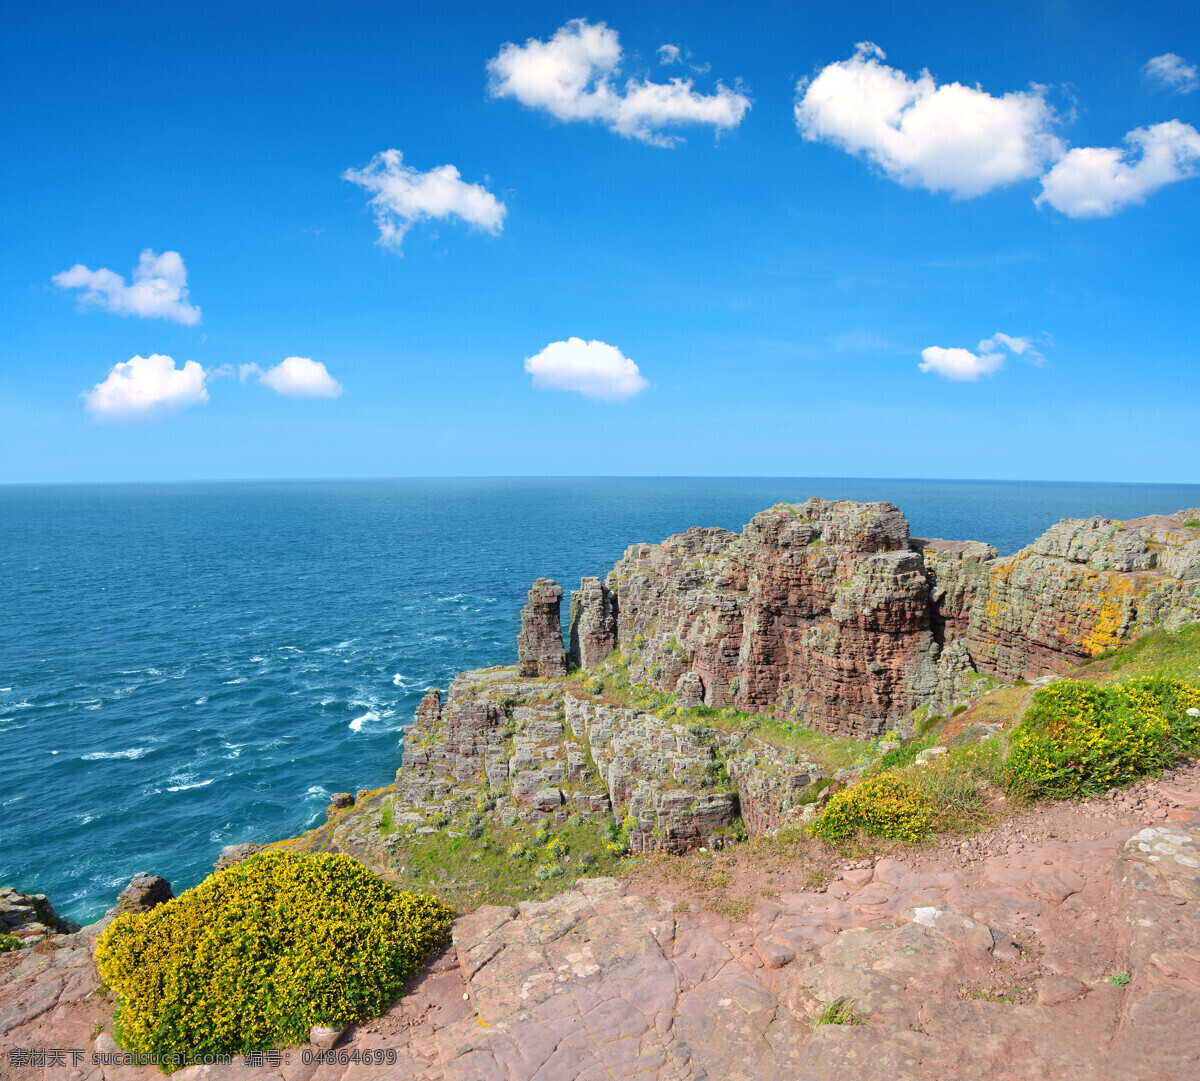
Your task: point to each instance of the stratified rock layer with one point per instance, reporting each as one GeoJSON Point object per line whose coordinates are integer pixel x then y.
{"type": "Point", "coordinates": [593, 623]}
{"type": "Point", "coordinates": [540, 645]}
{"type": "Point", "coordinates": [832, 611]}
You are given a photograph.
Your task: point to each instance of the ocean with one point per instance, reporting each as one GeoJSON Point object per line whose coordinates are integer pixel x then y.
{"type": "Point", "coordinates": [187, 666]}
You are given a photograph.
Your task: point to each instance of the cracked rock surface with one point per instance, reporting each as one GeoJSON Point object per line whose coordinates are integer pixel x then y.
{"type": "Point", "coordinates": [998, 965]}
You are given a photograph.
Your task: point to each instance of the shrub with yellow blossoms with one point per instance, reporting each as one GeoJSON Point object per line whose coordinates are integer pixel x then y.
{"type": "Point", "coordinates": [258, 953]}
{"type": "Point", "coordinates": [1079, 738]}
{"type": "Point", "coordinates": [886, 805]}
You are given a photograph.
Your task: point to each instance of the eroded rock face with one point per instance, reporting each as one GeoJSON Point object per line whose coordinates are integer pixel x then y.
{"type": "Point", "coordinates": [30, 915]}
{"type": "Point", "coordinates": [232, 854]}
{"type": "Point", "coordinates": [593, 623]}
{"type": "Point", "coordinates": [661, 775]}
{"type": "Point", "coordinates": [831, 611]}
{"type": "Point", "coordinates": [143, 893]}
{"type": "Point", "coordinates": [822, 608]}
{"type": "Point", "coordinates": [540, 645]}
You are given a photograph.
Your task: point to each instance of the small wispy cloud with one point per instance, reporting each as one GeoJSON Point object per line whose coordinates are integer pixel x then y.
{"type": "Point", "coordinates": [964, 366]}
{"type": "Point", "coordinates": [574, 76]}
{"type": "Point", "coordinates": [1171, 72]}
{"type": "Point", "coordinates": [158, 291]}
{"type": "Point", "coordinates": [404, 196]}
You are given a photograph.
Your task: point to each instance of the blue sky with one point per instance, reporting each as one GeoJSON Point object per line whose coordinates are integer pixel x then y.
{"type": "Point", "coordinates": [765, 290]}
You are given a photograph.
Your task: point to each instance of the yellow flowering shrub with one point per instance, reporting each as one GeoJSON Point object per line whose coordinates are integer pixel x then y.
{"type": "Point", "coordinates": [886, 805]}
{"type": "Point", "coordinates": [257, 953]}
{"type": "Point", "coordinates": [1079, 738]}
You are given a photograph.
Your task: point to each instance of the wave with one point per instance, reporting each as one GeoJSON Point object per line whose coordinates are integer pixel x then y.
{"type": "Point", "coordinates": [97, 756]}
{"type": "Point", "coordinates": [231, 682]}
{"type": "Point", "coordinates": [357, 723]}
{"type": "Point", "coordinates": [201, 700]}
{"type": "Point", "coordinates": [185, 787]}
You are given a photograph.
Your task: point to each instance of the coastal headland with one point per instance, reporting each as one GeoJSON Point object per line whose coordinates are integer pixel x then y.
{"type": "Point", "coordinates": [719, 688]}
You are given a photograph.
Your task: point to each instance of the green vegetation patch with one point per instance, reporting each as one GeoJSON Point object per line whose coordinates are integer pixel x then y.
{"type": "Point", "coordinates": [500, 865]}
{"type": "Point", "coordinates": [258, 953]}
{"type": "Point", "coordinates": [9, 943]}
{"type": "Point", "coordinates": [840, 1011]}
{"type": "Point", "coordinates": [1079, 738]}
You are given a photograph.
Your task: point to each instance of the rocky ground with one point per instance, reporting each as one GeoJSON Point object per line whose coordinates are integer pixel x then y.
{"type": "Point", "coordinates": [1003, 956]}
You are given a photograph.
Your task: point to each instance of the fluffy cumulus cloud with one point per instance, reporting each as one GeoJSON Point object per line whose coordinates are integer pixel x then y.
{"type": "Point", "coordinates": [951, 137]}
{"type": "Point", "coordinates": [158, 291]}
{"type": "Point", "coordinates": [669, 54]}
{"type": "Point", "coordinates": [1172, 72]}
{"type": "Point", "coordinates": [402, 196]}
{"type": "Point", "coordinates": [146, 388]}
{"type": "Point", "coordinates": [1097, 181]}
{"type": "Point", "coordinates": [963, 366]}
{"type": "Point", "coordinates": [595, 369]}
{"type": "Point", "coordinates": [576, 76]}
{"type": "Point", "coordinates": [295, 377]}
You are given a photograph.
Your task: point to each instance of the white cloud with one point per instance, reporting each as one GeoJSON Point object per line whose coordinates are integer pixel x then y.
{"type": "Point", "coordinates": [1097, 181]}
{"type": "Point", "coordinates": [295, 377]}
{"type": "Point", "coordinates": [146, 388]}
{"type": "Point", "coordinates": [963, 366]}
{"type": "Point", "coordinates": [404, 196]}
{"type": "Point", "coordinates": [592, 368]}
{"type": "Point", "coordinates": [951, 137]}
{"type": "Point", "coordinates": [1171, 72]}
{"type": "Point", "coordinates": [668, 54]}
{"type": "Point", "coordinates": [573, 76]}
{"type": "Point", "coordinates": [159, 289]}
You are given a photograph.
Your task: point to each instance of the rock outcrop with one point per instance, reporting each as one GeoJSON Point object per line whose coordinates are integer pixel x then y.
{"type": "Point", "coordinates": [833, 612]}
{"type": "Point", "coordinates": [593, 623]}
{"type": "Point", "coordinates": [232, 854]}
{"type": "Point", "coordinates": [30, 916]}
{"type": "Point", "coordinates": [143, 893]}
{"type": "Point", "coordinates": [540, 644]}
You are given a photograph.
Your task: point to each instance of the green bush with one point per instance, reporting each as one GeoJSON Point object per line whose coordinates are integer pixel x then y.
{"type": "Point", "coordinates": [257, 953]}
{"type": "Point", "coordinates": [9, 942]}
{"type": "Point", "coordinates": [1079, 738]}
{"type": "Point", "coordinates": [886, 805]}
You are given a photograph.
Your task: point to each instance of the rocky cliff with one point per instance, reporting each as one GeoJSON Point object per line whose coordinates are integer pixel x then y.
{"type": "Point", "coordinates": [833, 612]}
{"type": "Point", "coordinates": [702, 661]}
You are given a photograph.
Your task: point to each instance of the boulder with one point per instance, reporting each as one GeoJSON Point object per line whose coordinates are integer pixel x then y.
{"type": "Point", "coordinates": [143, 893]}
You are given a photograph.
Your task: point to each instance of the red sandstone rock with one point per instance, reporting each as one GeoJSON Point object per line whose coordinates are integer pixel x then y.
{"type": "Point", "coordinates": [540, 645]}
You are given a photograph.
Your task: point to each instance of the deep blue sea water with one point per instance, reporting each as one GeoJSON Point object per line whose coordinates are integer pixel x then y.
{"type": "Point", "coordinates": [186, 666]}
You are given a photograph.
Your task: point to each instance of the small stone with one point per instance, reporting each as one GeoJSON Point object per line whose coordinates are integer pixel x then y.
{"type": "Point", "coordinates": [325, 1036]}
{"type": "Point", "coordinates": [1055, 990]}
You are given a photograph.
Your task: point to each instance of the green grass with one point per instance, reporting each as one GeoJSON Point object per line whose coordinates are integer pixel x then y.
{"type": "Point", "coordinates": [1119, 979]}
{"type": "Point", "coordinates": [9, 942]}
{"type": "Point", "coordinates": [838, 1012]}
{"type": "Point", "coordinates": [467, 872]}
{"type": "Point", "coordinates": [831, 752]}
